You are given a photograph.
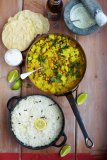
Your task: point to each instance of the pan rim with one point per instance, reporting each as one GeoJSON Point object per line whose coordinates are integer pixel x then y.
{"type": "Point", "coordinates": [83, 53]}
{"type": "Point", "coordinates": [38, 147]}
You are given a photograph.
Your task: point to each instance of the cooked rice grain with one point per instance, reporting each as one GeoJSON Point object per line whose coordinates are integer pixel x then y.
{"type": "Point", "coordinates": [27, 111]}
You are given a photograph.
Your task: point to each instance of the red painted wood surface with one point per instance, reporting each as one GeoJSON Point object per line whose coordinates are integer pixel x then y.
{"type": "Point", "coordinates": [50, 156]}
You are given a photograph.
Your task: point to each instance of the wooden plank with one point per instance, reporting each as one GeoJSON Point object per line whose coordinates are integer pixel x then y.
{"type": "Point", "coordinates": [30, 156]}
{"type": "Point", "coordinates": [95, 84]}
{"type": "Point", "coordinates": [39, 6]}
{"type": "Point", "coordinates": [7, 142]}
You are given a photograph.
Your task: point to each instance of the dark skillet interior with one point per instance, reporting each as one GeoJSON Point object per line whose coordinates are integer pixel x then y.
{"type": "Point", "coordinates": [40, 147]}
{"type": "Point", "coordinates": [83, 54]}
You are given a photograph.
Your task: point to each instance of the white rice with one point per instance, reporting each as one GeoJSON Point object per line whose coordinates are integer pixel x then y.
{"type": "Point", "coordinates": [25, 114]}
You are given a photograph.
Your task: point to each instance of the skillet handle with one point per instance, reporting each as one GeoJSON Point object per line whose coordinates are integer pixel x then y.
{"type": "Point", "coordinates": [62, 143]}
{"type": "Point", "coordinates": [11, 101]}
{"type": "Point", "coordinates": [75, 110]}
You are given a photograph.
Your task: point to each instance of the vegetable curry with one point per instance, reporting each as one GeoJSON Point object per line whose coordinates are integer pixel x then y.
{"type": "Point", "coordinates": [62, 60]}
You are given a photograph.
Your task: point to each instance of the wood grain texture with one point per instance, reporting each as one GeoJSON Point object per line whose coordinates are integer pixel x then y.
{"type": "Point", "coordinates": [39, 6]}
{"type": "Point", "coordinates": [94, 83]}
{"type": "Point", "coordinates": [94, 111]}
{"type": "Point", "coordinates": [7, 143]}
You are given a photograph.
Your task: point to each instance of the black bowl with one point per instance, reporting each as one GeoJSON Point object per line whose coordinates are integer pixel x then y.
{"type": "Point", "coordinates": [11, 104]}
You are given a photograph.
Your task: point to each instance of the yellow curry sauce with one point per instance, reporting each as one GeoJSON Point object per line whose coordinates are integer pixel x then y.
{"type": "Point", "coordinates": [62, 60]}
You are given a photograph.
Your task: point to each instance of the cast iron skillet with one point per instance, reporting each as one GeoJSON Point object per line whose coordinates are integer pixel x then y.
{"type": "Point", "coordinates": [11, 104]}
{"type": "Point", "coordinates": [70, 96]}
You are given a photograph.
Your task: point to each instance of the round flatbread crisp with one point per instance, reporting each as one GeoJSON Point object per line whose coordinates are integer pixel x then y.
{"type": "Point", "coordinates": [18, 34]}
{"type": "Point", "coordinates": [36, 21]}
{"type": "Point", "coordinates": [45, 23]}
{"type": "Point", "coordinates": [21, 29]}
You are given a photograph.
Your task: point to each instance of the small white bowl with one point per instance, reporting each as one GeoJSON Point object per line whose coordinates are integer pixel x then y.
{"type": "Point", "coordinates": [13, 57]}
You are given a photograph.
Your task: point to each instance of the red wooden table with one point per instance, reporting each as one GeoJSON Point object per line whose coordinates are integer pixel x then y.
{"type": "Point", "coordinates": [94, 111]}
